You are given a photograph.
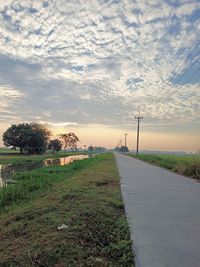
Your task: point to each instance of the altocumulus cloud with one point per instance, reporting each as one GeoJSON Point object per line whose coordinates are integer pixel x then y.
{"type": "Point", "coordinates": [95, 61]}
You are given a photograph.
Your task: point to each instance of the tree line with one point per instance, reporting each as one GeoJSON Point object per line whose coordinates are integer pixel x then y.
{"type": "Point", "coordinates": [34, 138]}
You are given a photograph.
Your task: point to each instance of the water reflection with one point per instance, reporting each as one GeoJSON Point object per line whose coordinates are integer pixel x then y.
{"type": "Point", "coordinates": [7, 170]}
{"type": "Point", "coordinates": [63, 161]}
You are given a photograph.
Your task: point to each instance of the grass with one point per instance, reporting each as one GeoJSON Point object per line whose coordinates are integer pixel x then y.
{"type": "Point", "coordinates": [85, 197]}
{"type": "Point", "coordinates": [6, 150]}
{"type": "Point", "coordinates": [185, 165]}
{"type": "Point", "coordinates": [29, 183]}
{"type": "Point", "coordinates": [16, 157]}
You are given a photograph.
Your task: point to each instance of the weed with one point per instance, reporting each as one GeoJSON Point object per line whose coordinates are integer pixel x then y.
{"type": "Point", "coordinates": [186, 165]}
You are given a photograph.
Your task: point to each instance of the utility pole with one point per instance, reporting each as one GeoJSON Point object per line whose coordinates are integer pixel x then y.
{"type": "Point", "coordinates": [125, 137]}
{"type": "Point", "coordinates": [138, 131]}
{"type": "Point", "coordinates": [120, 142]}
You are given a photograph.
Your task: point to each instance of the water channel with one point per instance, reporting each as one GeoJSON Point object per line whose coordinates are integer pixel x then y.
{"type": "Point", "coordinates": [7, 170]}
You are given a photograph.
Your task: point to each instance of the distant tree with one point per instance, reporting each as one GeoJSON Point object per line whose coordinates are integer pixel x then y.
{"type": "Point", "coordinates": [29, 137]}
{"type": "Point", "coordinates": [124, 149]}
{"type": "Point", "coordinates": [99, 149]}
{"type": "Point", "coordinates": [70, 140]}
{"type": "Point", "coordinates": [90, 148]}
{"type": "Point", "coordinates": [55, 145]}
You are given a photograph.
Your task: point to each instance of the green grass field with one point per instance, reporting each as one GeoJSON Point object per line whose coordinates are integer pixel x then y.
{"type": "Point", "coordinates": [188, 165]}
{"type": "Point", "coordinates": [7, 150]}
{"type": "Point", "coordinates": [85, 196]}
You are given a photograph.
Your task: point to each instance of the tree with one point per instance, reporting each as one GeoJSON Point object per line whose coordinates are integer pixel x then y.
{"type": "Point", "coordinates": [99, 149]}
{"type": "Point", "coordinates": [124, 149]}
{"type": "Point", "coordinates": [70, 140]}
{"type": "Point", "coordinates": [55, 145]}
{"type": "Point", "coordinates": [90, 148]}
{"type": "Point", "coordinates": [29, 137]}
{"type": "Point", "coordinates": [96, 148]}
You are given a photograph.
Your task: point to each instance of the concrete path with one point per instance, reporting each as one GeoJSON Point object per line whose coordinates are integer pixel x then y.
{"type": "Point", "coordinates": [163, 211]}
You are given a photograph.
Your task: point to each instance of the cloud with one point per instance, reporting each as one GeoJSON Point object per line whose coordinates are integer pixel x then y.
{"type": "Point", "coordinates": [98, 61]}
{"type": "Point", "coordinates": [8, 98]}
{"type": "Point", "coordinates": [58, 124]}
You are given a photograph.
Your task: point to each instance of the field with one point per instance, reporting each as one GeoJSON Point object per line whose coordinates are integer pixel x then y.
{"type": "Point", "coordinates": [85, 196]}
{"type": "Point", "coordinates": [8, 150]}
{"type": "Point", "coordinates": [185, 165]}
{"type": "Point", "coordinates": [11, 156]}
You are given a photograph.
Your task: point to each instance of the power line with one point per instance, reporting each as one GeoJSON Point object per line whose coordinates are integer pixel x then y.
{"type": "Point", "coordinates": [193, 74]}
{"type": "Point", "coordinates": [176, 72]}
{"type": "Point", "coordinates": [166, 96]}
{"type": "Point", "coordinates": [186, 72]}
{"type": "Point", "coordinates": [166, 93]}
{"type": "Point", "coordinates": [188, 56]}
{"type": "Point", "coordinates": [179, 68]}
{"type": "Point", "coordinates": [180, 86]}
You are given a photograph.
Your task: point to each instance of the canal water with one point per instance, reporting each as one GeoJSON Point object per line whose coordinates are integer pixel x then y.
{"type": "Point", "coordinates": [7, 170]}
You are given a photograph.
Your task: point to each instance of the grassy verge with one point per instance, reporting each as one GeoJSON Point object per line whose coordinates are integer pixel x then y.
{"type": "Point", "coordinates": [184, 165]}
{"type": "Point", "coordinates": [88, 201]}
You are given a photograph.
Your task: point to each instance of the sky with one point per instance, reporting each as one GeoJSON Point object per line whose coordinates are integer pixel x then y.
{"type": "Point", "coordinates": [91, 66]}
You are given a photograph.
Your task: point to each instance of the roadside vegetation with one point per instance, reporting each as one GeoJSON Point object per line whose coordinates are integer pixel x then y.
{"type": "Point", "coordinates": [185, 165]}
{"type": "Point", "coordinates": [85, 196]}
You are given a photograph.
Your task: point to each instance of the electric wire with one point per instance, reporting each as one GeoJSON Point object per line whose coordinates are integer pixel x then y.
{"type": "Point", "coordinates": [179, 87]}
{"type": "Point", "coordinates": [167, 95]}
